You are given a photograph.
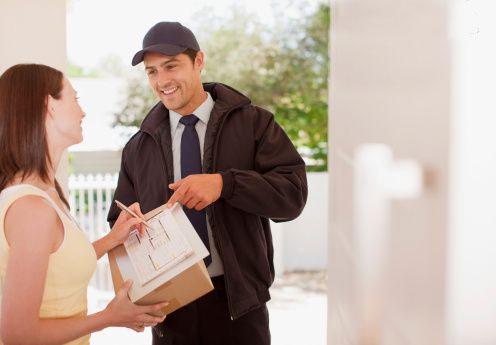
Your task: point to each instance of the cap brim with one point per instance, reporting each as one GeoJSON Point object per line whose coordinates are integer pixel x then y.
{"type": "Point", "coordinates": [166, 49]}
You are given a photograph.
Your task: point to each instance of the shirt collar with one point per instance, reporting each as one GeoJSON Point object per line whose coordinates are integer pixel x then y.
{"type": "Point", "coordinates": [202, 112]}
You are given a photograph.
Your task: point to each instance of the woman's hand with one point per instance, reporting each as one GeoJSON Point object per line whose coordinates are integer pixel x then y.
{"type": "Point", "coordinates": [123, 226]}
{"type": "Point", "coordinates": [126, 223]}
{"type": "Point", "coordinates": [121, 312]}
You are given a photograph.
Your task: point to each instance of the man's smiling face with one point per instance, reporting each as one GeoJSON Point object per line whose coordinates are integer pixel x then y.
{"type": "Point", "coordinates": [175, 79]}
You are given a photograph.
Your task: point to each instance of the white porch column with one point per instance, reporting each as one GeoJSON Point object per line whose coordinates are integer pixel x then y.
{"type": "Point", "coordinates": [418, 76]}
{"type": "Point", "coordinates": [34, 31]}
{"type": "Point", "coordinates": [390, 84]}
{"type": "Point", "coordinates": [471, 278]}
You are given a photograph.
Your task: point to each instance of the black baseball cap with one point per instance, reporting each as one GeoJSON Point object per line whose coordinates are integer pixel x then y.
{"type": "Point", "coordinates": [168, 38]}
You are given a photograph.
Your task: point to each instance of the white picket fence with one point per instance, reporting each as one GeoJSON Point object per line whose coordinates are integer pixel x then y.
{"type": "Point", "coordinates": [89, 198]}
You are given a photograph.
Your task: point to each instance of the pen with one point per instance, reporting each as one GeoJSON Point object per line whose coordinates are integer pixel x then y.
{"type": "Point", "coordinates": [128, 210]}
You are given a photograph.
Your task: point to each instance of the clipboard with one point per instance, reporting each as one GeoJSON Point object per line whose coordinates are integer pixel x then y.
{"type": "Point", "coordinates": [179, 286]}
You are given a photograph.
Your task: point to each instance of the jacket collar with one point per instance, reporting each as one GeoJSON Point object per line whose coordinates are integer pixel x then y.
{"type": "Point", "coordinates": [226, 99]}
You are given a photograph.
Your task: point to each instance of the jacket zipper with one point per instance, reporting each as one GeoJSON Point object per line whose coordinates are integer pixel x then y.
{"type": "Point", "coordinates": [219, 245]}
{"type": "Point", "coordinates": [164, 164]}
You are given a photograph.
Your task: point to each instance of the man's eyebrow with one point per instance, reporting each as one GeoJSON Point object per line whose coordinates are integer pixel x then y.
{"type": "Point", "coordinates": [173, 59]}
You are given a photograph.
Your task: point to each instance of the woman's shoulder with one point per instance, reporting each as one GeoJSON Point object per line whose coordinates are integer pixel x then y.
{"type": "Point", "coordinates": [30, 216]}
{"type": "Point", "coordinates": [32, 208]}
{"type": "Point", "coordinates": [24, 197]}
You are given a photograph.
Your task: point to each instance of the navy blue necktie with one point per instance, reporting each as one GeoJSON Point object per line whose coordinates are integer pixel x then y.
{"type": "Point", "coordinates": [191, 164]}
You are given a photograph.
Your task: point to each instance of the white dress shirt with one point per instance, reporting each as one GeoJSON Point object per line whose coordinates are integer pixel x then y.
{"type": "Point", "coordinates": [203, 113]}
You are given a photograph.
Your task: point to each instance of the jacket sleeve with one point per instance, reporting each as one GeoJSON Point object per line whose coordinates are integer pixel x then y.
{"type": "Point", "coordinates": [277, 187]}
{"type": "Point", "coordinates": [124, 192]}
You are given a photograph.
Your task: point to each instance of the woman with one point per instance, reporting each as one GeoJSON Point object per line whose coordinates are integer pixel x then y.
{"type": "Point", "coordinates": [46, 261]}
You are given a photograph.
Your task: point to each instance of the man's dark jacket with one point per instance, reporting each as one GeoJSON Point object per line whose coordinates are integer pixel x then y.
{"type": "Point", "coordinates": [263, 178]}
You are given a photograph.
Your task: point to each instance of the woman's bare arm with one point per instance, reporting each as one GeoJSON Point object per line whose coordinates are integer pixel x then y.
{"type": "Point", "coordinates": [32, 239]}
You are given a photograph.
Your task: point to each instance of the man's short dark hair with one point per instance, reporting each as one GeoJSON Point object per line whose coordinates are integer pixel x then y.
{"type": "Point", "coordinates": [191, 54]}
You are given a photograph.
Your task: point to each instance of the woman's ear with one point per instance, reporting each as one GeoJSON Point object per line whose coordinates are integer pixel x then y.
{"type": "Point", "coordinates": [50, 114]}
{"type": "Point", "coordinates": [50, 106]}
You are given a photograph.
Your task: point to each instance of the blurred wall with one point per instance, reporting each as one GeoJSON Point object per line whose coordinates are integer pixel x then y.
{"type": "Point", "coordinates": [418, 76]}
{"type": "Point", "coordinates": [390, 83]}
{"type": "Point", "coordinates": [33, 31]}
{"type": "Point", "coordinates": [471, 293]}
{"type": "Point", "coordinates": [304, 240]}
{"type": "Point", "coordinates": [95, 162]}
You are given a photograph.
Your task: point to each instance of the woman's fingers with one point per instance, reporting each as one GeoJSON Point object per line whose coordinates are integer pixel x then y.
{"type": "Point", "coordinates": [132, 224]}
{"type": "Point", "coordinates": [146, 319]}
{"type": "Point", "coordinates": [148, 309]}
{"type": "Point", "coordinates": [123, 216]}
{"type": "Point", "coordinates": [141, 327]}
{"type": "Point", "coordinates": [141, 228]}
{"type": "Point", "coordinates": [138, 328]}
{"type": "Point", "coordinates": [136, 209]}
{"type": "Point", "coordinates": [159, 319]}
{"type": "Point", "coordinates": [124, 290]}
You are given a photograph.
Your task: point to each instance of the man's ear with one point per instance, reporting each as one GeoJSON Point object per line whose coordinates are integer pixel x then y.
{"type": "Point", "coordinates": [200, 60]}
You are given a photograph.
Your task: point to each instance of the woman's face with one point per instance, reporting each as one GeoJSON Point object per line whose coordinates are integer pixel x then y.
{"type": "Point", "coordinates": [64, 117]}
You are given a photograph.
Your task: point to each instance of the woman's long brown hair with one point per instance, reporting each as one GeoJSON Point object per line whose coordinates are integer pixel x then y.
{"type": "Point", "coordinates": [24, 89]}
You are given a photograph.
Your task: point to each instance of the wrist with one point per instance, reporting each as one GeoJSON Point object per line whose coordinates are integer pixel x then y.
{"type": "Point", "coordinates": [110, 242]}
{"type": "Point", "coordinates": [108, 318]}
{"type": "Point", "coordinates": [219, 181]}
{"type": "Point", "coordinates": [103, 319]}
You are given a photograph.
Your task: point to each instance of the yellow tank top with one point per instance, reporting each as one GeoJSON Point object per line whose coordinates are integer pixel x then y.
{"type": "Point", "coordinates": [69, 268]}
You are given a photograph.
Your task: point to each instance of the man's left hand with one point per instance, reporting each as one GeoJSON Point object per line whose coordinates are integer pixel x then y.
{"type": "Point", "coordinates": [196, 191]}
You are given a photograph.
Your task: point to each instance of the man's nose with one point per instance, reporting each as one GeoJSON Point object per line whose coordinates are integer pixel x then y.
{"type": "Point", "coordinates": [163, 79]}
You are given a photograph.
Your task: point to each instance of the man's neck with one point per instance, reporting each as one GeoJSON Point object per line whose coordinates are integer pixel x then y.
{"type": "Point", "coordinates": [197, 100]}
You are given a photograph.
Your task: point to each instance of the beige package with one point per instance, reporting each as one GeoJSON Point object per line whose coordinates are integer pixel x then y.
{"type": "Point", "coordinates": [189, 284]}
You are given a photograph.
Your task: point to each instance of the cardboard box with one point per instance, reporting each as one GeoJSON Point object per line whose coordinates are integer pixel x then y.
{"type": "Point", "coordinates": [182, 289]}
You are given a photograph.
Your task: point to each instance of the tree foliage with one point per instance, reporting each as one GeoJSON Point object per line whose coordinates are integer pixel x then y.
{"type": "Point", "coordinates": [138, 102]}
{"type": "Point", "coordinates": [283, 68]}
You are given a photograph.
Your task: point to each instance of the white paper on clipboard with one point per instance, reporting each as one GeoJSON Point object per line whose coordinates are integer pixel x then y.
{"type": "Point", "coordinates": [184, 238]}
